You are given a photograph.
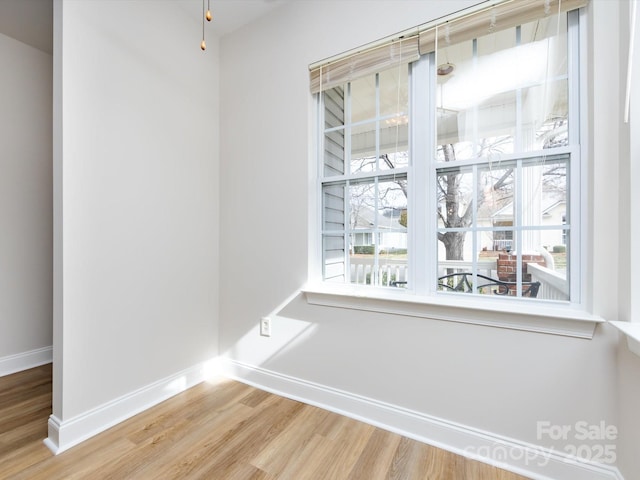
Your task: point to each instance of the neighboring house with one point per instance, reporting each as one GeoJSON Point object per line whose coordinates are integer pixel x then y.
{"type": "Point", "coordinates": [553, 213]}
{"type": "Point", "coordinates": [390, 234]}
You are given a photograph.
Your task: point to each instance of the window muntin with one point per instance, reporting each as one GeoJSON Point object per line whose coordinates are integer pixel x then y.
{"type": "Point", "coordinates": [502, 147]}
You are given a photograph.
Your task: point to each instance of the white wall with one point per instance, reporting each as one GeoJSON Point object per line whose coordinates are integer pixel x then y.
{"type": "Point", "coordinates": [25, 204]}
{"type": "Point", "coordinates": [629, 420]}
{"type": "Point", "coordinates": [497, 380]}
{"type": "Point", "coordinates": [628, 363]}
{"type": "Point", "coordinates": [136, 200]}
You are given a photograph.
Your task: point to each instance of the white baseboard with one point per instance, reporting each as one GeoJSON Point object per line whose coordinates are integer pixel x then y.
{"type": "Point", "coordinates": [25, 360]}
{"type": "Point", "coordinates": [519, 457]}
{"type": "Point", "coordinates": [64, 434]}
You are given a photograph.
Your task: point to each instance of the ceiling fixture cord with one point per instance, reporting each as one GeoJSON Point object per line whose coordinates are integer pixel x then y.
{"type": "Point", "coordinates": [203, 44]}
{"type": "Point", "coordinates": [205, 16]}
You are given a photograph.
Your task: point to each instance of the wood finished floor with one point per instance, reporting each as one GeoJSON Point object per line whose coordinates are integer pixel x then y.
{"type": "Point", "coordinates": [217, 430]}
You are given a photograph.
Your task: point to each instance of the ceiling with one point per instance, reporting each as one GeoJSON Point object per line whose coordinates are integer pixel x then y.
{"type": "Point", "coordinates": [229, 15]}
{"type": "Point", "coordinates": [31, 21]}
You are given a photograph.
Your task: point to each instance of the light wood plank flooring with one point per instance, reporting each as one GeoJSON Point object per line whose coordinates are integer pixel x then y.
{"type": "Point", "coordinates": [217, 430]}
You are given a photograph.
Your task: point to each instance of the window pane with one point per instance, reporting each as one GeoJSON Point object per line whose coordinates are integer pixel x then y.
{"type": "Point", "coordinates": [455, 195]}
{"type": "Point", "coordinates": [334, 107]}
{"type": "Point", "coordinates": [381, 205]}
{"type": "Point", "coordinates": [333, 207]}
{"type": "Point", "coordinates": [516, 284]}
{"type": "Point", "coordinates": [556, 242]}
{"type": "Point", "coordinates": [548, 101]}
{"type": "Point", "coordinates": [363, 99]}
{"type": "Point", "coordinates": [392, 203]}
{"type": "Point", "coordinates": [544, 197]}
{"type": "Point", "coordinates": [447, 266]}
{"type": "Point", "coordinates": [362, 205]}
{"type": "Point", "coordinates": [363, 148]}
{"type": "Point", "coordinates": [362, 259]}
{"type": "Point", "coordinates": [334, 132]}
{"type": "Point", "coordinates": [495, 196]}
{"type": "Point", "coordinates": [379, 259]}
{"type": "Point", "coordinates": [393, 258]}
{"type": "Point", "coordinates": [448, 112]}
{"type": "Point", "coordinates": [395, 155]}
{"type": "Point", "coordinates": [334, 153]}
{"type": "Point", "coordinates": [392, 221]}
{"type": "Point", "coordinates": [553, 273]}
{"type": "Point", "coordinates": [473, 272]}
{"type": "Point", "coordinates": [504, 92]}
{"type": "Point", "coordinates": [393, 148]}
{"type": "Point", "coordinates": [333, 258]}
{"type": "Point", "coordinates": [394, 91]}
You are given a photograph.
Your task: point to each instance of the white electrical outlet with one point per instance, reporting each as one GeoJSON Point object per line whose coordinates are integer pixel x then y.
{"type": "Point", "coordinates": [265, 326]}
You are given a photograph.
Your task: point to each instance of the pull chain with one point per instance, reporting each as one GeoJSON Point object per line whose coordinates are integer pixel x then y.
{"type": "Point", "coordinates": [203, 44]}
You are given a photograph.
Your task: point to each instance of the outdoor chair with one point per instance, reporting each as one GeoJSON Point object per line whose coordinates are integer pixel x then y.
{"type": "Point", "coordinates": [462, 282]}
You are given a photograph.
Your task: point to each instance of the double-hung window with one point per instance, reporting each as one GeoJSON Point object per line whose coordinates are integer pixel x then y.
{"type": "Point", "coordinates": [455, 170]}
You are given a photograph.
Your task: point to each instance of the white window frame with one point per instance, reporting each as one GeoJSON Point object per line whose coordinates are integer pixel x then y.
{"type": "Point", "coordinates": [565, 318]}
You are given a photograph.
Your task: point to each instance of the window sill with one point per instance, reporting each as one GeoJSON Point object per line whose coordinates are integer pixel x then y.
{"type": "Point", "coordinates": [632, 332]}
{"type": "Point", "coordinates": [519, 315]}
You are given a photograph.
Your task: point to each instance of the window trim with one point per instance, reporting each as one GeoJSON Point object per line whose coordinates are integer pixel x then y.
{"type": "Point", "coordinates": [572, 319]}
{"type": "Point", "coordinates": [510, 314]}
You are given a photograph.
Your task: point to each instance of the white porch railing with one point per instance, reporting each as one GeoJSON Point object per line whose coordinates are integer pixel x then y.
{"type": "Point", "coordinates": [485, 267]}
{"type": "Point", "coordinates": [392, 270]}
{"type": "Point", "coordinates": [553, 286]}
{"type": "Point", "coordinates": [388, 271]}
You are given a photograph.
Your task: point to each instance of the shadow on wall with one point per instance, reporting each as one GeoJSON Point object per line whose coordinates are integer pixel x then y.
{"type": "Point", "coordinates": [409, 362]}
{"type": "Point", "coordinates": [287, 332]}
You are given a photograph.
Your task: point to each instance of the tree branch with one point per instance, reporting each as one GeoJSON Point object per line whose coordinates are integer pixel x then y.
{"type": "Point", "coordinates": [502, 180]}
